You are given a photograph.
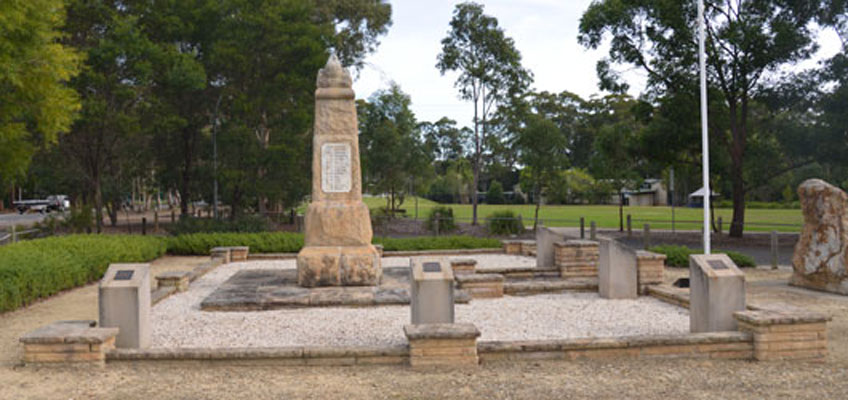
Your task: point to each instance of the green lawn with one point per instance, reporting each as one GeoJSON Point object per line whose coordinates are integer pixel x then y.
{"type": "Point", "coordinates": [607, 216]}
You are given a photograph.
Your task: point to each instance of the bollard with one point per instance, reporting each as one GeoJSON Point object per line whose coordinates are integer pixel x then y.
{"type": "Point", "coordinates": [719, 225]}
{"type": "Point", "coordinates": [774, 249]}
{"type": "Point", "coordinates": [629, 226]}
{"type": "Point", "coordinates": [592, 230]}
{"type": "Point", "coordinates": [646, 236]}
{"type": "Point", "coordinates": [582, 228]}
{"type": "Point", "coordinates": [14, 234]}
{"type": "Point", "coordinates": [143, 226]}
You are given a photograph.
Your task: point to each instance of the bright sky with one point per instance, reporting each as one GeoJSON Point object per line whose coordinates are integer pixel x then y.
{"type": "Point", "coordinates": [545, 32]}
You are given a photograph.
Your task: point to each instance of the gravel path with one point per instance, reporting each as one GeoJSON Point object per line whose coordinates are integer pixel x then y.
{"type": "Point", "coordinates": [178, 321]}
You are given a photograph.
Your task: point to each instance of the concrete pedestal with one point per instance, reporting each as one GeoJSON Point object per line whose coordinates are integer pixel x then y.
{"type": "Point", "coordinates": [432, 291]}
{"type": "Point", "coordinates": [545, 239]}
{"type": "Point", "coordinates": [717, 290]}
{"type": "Point", "coordinates": [617, 274]}
{"type": "Point", "coordinates": [124, 301]}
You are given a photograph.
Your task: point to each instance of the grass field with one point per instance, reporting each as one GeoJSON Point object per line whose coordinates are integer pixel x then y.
{"type": "Point", "coordinates": [607, 216]}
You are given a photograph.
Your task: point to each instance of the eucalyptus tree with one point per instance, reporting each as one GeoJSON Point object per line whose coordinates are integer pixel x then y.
{"type": "Point", "coordinates": [748, 42]}
{"type": "Point", "coordinates": [490, 73]}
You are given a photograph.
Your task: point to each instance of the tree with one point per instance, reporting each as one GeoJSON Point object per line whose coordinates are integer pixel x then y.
{"type": "Point", "coordinates": [490, 73]}
{"type": "Point", "coordinates": [393, 154]}
{"type": "Point", "coordinates": [543, 152]}
{"type": "Point", "coordinates": [495, 194]}
{"type": "Point", "coordinates": [36, 105]}
{"type": "Point", "coordinates": [748, 41]}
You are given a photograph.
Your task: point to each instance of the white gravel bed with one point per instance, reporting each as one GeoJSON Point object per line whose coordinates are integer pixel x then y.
{"type": "Point", "coordinates": [178, 321]}
{"type": "Point", "coordinates": [484, 261]}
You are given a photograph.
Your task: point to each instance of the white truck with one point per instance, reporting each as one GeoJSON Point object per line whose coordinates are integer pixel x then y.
{"type": "Point", "coordinates": [56, 202]}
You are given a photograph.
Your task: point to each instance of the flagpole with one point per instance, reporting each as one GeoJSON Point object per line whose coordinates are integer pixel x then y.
{"type": "Point", "coordinates": [705, 145]}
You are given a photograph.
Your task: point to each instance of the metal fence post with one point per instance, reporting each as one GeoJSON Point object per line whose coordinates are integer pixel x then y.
{"type": "Point", "coordinates": [438, 222]}
{"type": "Point", "coordinates": [629, 226]}
{"type": "Point", "coordinates": [143, 226]}
{"type": "Point", "coordinates": [156, 221]}
{"type": "Point", "coordinates": [582, 228]}
{"type": "Point", "coordinates": [646, 236]}
{"type": "Point", "coordinates": [592, 230]}
{"type": "Point", "coordinates": [719, 225]}
{"type": "Point", "coordinates": [774, 249]}
{"type": "Point", "coordinates": [173, 216]}
{"type": "Point", "coordinates": [14, 234]}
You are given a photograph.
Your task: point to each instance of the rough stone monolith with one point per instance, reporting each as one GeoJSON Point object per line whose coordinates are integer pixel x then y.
{"type": "Point", "coordinates": [821, 255]}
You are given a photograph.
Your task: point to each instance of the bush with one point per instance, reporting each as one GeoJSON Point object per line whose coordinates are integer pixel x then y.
{"type": "Point", "coordinates": [445, 219]}
{"type": "Point", "coordinates": [504, 223]}
{"type": "Point", "coordinates": [285, 242]}
{"type": "Point", "coordinates": [495, 194]}
{"type": "Point", "coordinates": [265, 242]}
{"type": "Point", "coordinates": [80, 219]}
{"type": "Point", "coordinates": [39, 268]}
{"type": "Point", "coordinates": [678, 256]}
{"type": "Point", "coordinates": [244, 224]}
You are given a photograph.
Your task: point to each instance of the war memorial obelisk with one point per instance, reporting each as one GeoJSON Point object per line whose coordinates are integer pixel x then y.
{"type": "Point", "coordinates": [338, 250]}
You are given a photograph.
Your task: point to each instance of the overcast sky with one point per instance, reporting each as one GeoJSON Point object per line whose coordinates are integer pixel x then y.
{"type": "Point", "coordinates": [545, 32]}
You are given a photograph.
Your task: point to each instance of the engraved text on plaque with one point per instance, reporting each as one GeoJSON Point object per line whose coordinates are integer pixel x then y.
{"type": "Point", "coordinates": [335, 167]}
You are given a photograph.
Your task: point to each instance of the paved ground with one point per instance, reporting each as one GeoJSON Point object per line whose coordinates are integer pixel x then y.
{"type": "Point", "coordinates": [658, 379]}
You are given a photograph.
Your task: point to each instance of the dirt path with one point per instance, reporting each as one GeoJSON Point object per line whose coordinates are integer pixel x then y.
{"type": "Point", "coordinates": [660, 379]}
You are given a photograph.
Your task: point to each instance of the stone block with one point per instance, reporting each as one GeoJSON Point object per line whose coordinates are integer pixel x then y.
{"type": "Point", "coordinates": [783, 332]}
{"type": "Point", "coordinates": [463, 265]}
{"type": "Point", "coordinates": [528, 248]}
{"type": "Point", "coordinates": [338, 224]}
{"type": "Point", "coordinates": [511, 247]}
{"type": "Point", "coordinates": [482, 285]}
{"type": "Point", "coordinates": [124, 303]}
{"type": "Point", "coordinates": [177, 279]}
{"type": "Point", "coordinates": [442, 345]}
{"type": "Point", "coordinates": [338, 266]}
{"type": "Point", "coordinates": [432, 298]}
{"type": "Point", "coordinates": [545, 239]}
{"type": "Point", "coordinates": [68, 342]}
{"type": "Point", "coordinates": [220, 253]}
{"type": "Point", "coordinates": [651, 267]}
{"type": "Point", "coordinates": [617, 275]}
{"type": "Point", "coordinates": [717, 290]}
{"type": "Point", "coordinates": [239, 253]}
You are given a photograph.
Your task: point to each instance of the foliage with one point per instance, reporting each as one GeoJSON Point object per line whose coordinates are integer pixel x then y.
{"type": "Point", "coordinates": [39, 268]}
{"type": "Point", "coordinates": [490, 73]}
{"type": "Point", "coordinates": [441, 217]}
{"type": "Point", "coordinates": [543, 152]}
{"type": "Point", "coordinates": [242, 224]}
{"type": "Point", "coordinates": [80, 219]}
{"type": "Point", "coordinates": [504, 223]}
{"type": "Point", "coordinates": [393, 154]}
{"type": "Point", "coordinates": [573, 185]}
{"type": "Point", "coordinates": [678, 256]}
{"type": "Point", "coordinates": [284, 242]}
{"type": "Point", "coordinates": [35, 103]}
{"type": "Point", "coordinates": [495, 194]}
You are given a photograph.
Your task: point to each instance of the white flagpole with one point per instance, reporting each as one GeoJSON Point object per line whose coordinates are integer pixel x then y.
{"type": "Point", "coordinates": [705, 145]}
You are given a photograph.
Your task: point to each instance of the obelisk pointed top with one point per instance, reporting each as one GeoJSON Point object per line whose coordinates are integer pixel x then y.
{"type": "Point", "coordinates": [334, 75]}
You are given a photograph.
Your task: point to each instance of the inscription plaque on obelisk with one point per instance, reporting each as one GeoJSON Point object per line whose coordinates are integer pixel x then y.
{"type": "Point", "coordinates": [335, 167]}
{"type": "Point", "coordinates": [337, 249]}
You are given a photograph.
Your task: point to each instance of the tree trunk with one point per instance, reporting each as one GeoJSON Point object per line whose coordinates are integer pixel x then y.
{"type": "Point", "coordinates": [620, 211]}
{"type": "Point", "coordinates": [185, 181]}
{"type": "Point", "coordinates": [737, 152]}
{"type": "Point", "coordinates": [538, 194]}
{"type": "Point", "coordinates": [98, 206]}
{"type": "Point", "coordinates": [113, 211]}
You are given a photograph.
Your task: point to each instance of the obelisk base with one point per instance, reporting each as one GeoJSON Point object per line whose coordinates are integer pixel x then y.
{"type": "Point", "coordinates": [339, 266]}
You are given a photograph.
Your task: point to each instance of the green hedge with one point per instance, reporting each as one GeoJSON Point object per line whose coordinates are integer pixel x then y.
{"type": "Point", "coordinates": [504, 223]}
{"type": "Point", "coordinates": [39, 268]}
{"type": "Point", "coordinates": [284, 242]}
{"type": "Point", "coordinates": [678, 256]}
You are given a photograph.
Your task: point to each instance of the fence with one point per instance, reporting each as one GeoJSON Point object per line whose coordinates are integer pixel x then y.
{"type": "Point", "coordinates": [14, 235]}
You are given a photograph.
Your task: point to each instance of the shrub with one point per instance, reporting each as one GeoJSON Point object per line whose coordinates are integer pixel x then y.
{"type": "Point", "coordinates": [504, 223]}
{"type": "Point", "coordinates": [247, 223]}
{"type": "Point", "coordinates": [445, 219]}
{"type": "Point", "coordinates": [80, 219]}
{"type": "Point", "coordinates": [265, 242]}
{"type": "Point", "coordinates": [39, 268]}
{"type": "Point", "coordinates": [678, 256]}
{"type": "Point", "coordinates": [437, 243]}
{"type": "Point", "coordinates": [495, 194]}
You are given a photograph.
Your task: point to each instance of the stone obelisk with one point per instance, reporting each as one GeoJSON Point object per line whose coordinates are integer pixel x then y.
{"type": "Point", "coordinates": [338, 250]}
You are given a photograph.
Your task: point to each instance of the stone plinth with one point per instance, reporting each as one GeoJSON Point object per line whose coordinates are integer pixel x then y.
{"type": "Point", "coordinates": [463, 266]}
{"type": "Point", "coordinates": [577, 258]}
{"type": "Point", "coordinates": [432, 291]}
{"type": "Point", "coordinates": [220, 253]}
{"type": "Point", "coordinates": [651, 267]}
{"type": "Point", "coordinates": [482, 286]}
{"type": "Point", "coordinates": [68, 342]}
{"type": "Point", "coordinates": [511, 247]}
{"type": "Point", "coordinates": [124, 302]}
{"type": "Point", "coordinates": [783, 332]}
{"type": "Point", "coordinates": [337, 250]}
{"type": "Point", "coordinates": [617, 275]}
{"type": "Point", "coordinates": [239, 253]}
{"type": "Point", "coordinates": [177, 279]}
{"type": "Point", "coordinates": [821, 255]}
{"type": "Point", "coordinates": [717, 290]}
{"type": "Point", "coordinates": [528, 248]}
{"type": "Point", "coordinates": [545, 239]}
{"type": "Point", "coordinates": [442, 345]}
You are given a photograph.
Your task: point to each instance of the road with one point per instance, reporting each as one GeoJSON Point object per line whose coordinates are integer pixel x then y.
{"type": "Point", "coordinates": [28, 219]}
